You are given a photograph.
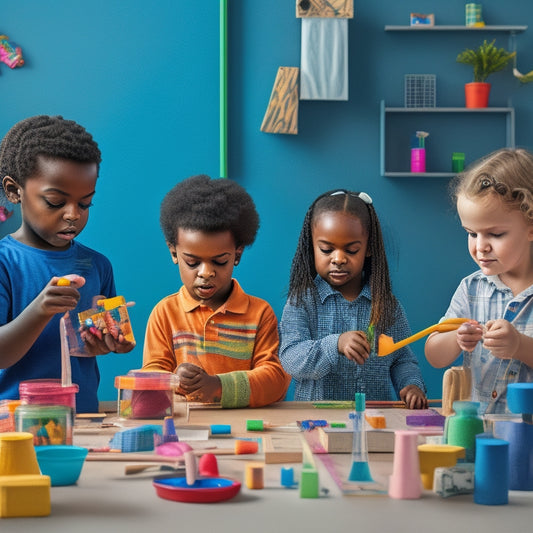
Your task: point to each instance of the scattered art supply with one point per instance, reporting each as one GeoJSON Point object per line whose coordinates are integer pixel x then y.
{"type": "Point", "coordinates": [254, 475]}
{"type": "Point", "coordinates": [386, 344]}
{"type": "Point", "coordinates": [360, 470]}
{"type": "Point", "coordinates": [169, 430]}
{"type": "Point", "coordinates": [49, 424]}
{"type": "Point", "coordinates": [66, 370]}
{"type": "Point", "coordinates": [220, 429]}
{"type": "Point", "coordinates": [260, 425]}
{"type": "Point", "coordinates": [287, 477]}
{"type": "Point", "coordinates": [17, 454]}
{"type": "Point", "coordinates": [428, 417]}
{"type": "Point", "coordinates": [519, 435]}
{"type": "Point", "coordinates": [461, 429]}
{"type": "Point", "coordinates": [405, 482]}
{"type": "Point", "coordinates": [377, 421]}
{"type": "Point", "coordinates": [208, 465]}
{"type": "Point", "coordinates": [173, 449]}
{"type": "Point", "coordinates": [48, 392]}
{"type": "Point", "coordinates": [138, 439]}
{"type": "Point", "coordinates": [491, 473]}
{"type": "Point", "coordinates": [145, 395]}
{"type": "Point", "coordinates": [454, 480]}
{"type": "Point", "coordinates": [191, 467]}
{"type": "Point", "coordinates": [308, 425]}
{"type": "Point", "coordinates": [433, 455]}
{"type": "Point", "coordinates": [62, 463]}
{"type": "Point", "coordinates": [24, 496]}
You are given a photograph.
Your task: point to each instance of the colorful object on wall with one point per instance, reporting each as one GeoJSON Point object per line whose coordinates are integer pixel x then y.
{"type": "Point", "coordinates": [324, 8]}
{"type": "Point", "coordinates": [282, 112]}
{"type": "Point", "coordinates": [10, 53]}
{"type": "Point", "coordinates": [324, 48]}
{"type": "Point", "coordinates": [4, 213]}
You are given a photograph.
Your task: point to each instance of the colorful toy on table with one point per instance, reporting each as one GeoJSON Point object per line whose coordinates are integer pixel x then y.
{"type": "Point", "coordinates": [386, 344]}
{"type": "Point", "coordinates": [433, 455]}
{"type": "Point", "coordinates": [405, 482]}
{"type": "Point", "coordinates": [461, 429]}
{"type": "Point", "coordinates": [138, 439]}
{"type": "Point", "coordinates": [360, 470]}
{"type": "Point", "coordinates": [49, 424]}
{"type": "Point", "coordinates": [146, 394]}
{"type": "Point", "coordinates": [10, 53]}
{"type": "Point", "coordinates": [519, 434]}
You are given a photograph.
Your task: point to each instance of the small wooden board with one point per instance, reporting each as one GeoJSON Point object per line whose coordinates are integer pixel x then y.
{"type": "Point", "coordinates": [282, 112]}
{"type": "Point", "coordinates": [340, 440]}
{"type": "Point", "coordinates": [283, 448]}
{"type": "Point", "coordinates": [324, 9]}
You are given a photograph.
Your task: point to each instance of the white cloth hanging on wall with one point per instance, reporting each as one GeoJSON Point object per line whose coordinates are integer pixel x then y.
{"type": "Point", "coordinates": [324, 59]}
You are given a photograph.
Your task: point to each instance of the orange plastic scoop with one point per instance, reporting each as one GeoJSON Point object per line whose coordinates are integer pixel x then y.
{"type": "Point", "coordinates": [386, 345]}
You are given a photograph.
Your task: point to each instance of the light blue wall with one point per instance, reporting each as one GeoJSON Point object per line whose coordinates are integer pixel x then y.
{"type": "Point", "coordinates": [142, 77]}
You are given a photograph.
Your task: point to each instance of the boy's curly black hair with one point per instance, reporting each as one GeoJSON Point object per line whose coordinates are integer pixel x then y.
{"type": "Point", "coordinates": [42, 135]}
{"type": "Point", "coordinates": [210, 205]}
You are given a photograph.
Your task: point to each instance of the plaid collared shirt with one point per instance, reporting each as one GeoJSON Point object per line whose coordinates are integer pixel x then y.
{"type": "Point", "coordinates": [485, 298]}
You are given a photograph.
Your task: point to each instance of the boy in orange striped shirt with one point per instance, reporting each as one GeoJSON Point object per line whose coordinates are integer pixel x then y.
{"type": "Point", "coordinates": [222, 342]}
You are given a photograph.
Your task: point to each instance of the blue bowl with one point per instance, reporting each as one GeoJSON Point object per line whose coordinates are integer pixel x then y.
{"type": "Point", "coordinates": [62, 463]}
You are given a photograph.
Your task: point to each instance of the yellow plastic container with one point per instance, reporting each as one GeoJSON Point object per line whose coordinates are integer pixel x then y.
{"type": "Point", "coordinates": [24, 495]}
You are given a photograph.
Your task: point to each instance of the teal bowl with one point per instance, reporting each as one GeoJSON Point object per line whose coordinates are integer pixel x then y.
{"type": "Point", "coordinates": [62, 463]}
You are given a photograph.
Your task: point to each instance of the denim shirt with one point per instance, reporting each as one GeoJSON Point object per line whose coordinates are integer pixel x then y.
{"type": "Point", "coordinates": [485, 298]}
{"type": "Point", "coordinates": [309, 335]}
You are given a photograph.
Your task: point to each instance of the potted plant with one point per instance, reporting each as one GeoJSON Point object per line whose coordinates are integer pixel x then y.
{"type": "Point", "coordinates": [485, 60]}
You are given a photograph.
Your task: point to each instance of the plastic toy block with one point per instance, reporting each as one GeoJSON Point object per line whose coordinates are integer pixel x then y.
{"type": "Point", "coordinates": [309, 483]}
{"type": "Point", "coordinates": [458, 479]}
{"type": "Point", "coordinates": [433, 455]}
{"type": "Point", "coordinates": [377, 421]}
{"type": "Point", "coordinates": [24, 495]}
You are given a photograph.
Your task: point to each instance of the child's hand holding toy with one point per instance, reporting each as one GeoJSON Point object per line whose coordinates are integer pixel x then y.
{"type": "Point", "coordinates": [469, 334]}
{"type": "Point", "coordinates": [198, 385]}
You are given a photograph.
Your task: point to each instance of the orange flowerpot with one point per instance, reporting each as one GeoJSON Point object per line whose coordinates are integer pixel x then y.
{"type": "Point", "coordinates": [477, 94]}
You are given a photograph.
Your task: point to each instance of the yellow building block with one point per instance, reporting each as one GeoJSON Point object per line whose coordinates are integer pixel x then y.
{"type": "Point", "coordinates": [24, 495]}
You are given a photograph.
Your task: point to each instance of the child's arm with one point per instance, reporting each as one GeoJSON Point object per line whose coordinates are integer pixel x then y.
{"type": "Point", "coordinates": [506, 342]}
{"type": "Point", "coordinates": [18, 336]}
{"type": "Point", "coordinates": [442, 349]}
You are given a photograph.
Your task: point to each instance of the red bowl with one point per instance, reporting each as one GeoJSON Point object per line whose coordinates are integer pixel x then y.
{"type": "Point", "coordinates": [204, 490]}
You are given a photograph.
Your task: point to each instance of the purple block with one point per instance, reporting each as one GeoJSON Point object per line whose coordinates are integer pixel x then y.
{"type": "Point", "coordinates": [426, 418]}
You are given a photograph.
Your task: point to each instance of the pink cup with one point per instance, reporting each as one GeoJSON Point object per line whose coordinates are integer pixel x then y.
{"type": "Point", "coordinates": [405, 482]}
{"type": "Point", "coordinates": [418, 159]}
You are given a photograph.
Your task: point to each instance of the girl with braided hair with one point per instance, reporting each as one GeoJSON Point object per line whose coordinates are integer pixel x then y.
{"type": "Point", "coordinates": [339, 301]}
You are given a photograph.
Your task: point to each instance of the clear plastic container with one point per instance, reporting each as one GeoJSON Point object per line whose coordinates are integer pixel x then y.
{"type": "Point", "coordinates": [49, 424]}
{"type": "Point", "coordinates": [146, 394]}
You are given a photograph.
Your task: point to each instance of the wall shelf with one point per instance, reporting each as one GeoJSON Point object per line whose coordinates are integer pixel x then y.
{"type": "Point", "coordinates": [386, 113]}
{"type": "Point", "coordinates": [422, 27]}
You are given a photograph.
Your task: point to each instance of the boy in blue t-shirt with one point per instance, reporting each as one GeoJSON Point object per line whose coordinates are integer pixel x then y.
{"type": "Point", "coordinates": [49, 166]}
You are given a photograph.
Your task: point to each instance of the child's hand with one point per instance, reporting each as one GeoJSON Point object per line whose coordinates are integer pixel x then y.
{"type": "Point", "coordinates": [413, 397]}
{"type": "Point", "coordinates": [469, 334]}
{"type": "Point", "coordinates": [501, 338]}
{"type": "Point", "coordinates": [354, 346]}
{"type": "Point", "coordinates": [198, 385]}
{"type": "Point", "coordinates": [59, 298]}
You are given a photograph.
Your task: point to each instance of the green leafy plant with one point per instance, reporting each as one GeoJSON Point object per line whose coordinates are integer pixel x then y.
{"type": "Point", "coordinates": [486, 59]}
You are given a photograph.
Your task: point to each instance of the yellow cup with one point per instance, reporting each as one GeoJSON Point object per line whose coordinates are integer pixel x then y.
{"type": "Point", "coordinates": [17, 454]}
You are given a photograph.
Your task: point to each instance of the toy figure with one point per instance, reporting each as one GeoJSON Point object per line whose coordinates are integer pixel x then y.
{"type": "Point", "coordinates": [10, 53]}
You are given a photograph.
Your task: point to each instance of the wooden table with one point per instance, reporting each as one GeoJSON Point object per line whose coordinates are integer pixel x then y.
{"type": "Point", "coordinates": [105, 500]}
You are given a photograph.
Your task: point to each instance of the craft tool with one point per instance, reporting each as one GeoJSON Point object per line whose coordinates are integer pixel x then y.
{"type": "Point", "coordinates": [360, 470]}
{"type": "Point", "coordinates": [242, 447]}
{"type": "Point", "coordinates": [220, 429]}
{"type": "Point", "coordinates": [260, 425]}
{"type": "Point", "coordinates": [346, 404]}
{"type": "Point", "coordinates": [137, 469]}
{"type": "Point", "coordinates": [386, 344]}
{"type": "Point", "coordinates": [66, 371]}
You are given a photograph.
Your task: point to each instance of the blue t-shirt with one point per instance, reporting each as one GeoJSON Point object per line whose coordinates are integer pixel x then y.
{"type": "Point", "coordinates": [24, 271]}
